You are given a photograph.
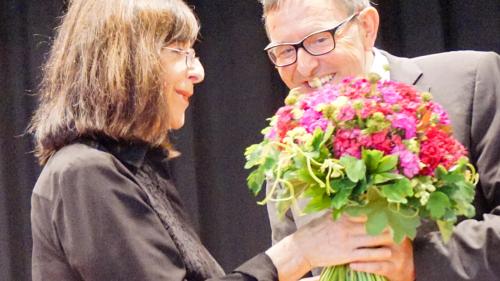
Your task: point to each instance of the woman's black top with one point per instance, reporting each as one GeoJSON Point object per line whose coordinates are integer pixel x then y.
{"type": "Point", "coordinates": [103, 210]}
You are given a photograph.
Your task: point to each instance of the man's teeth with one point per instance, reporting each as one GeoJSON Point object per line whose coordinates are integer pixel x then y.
{"type": "Point", "coordinates": [319, 82]}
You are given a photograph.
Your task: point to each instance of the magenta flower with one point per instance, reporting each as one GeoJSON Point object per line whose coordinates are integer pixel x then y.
{"type": "Point", "coordinates": [390, 95]}
{"type": "Point", "coordinates": [405, 122]}
{"type": "Point", "coordinates": [346, 113]}
{"type": "Point", "coordinates": [441, 113]}
{"type": "Point", "coordinates": [409, 162]}
{"type": "Point", "coordinates": [313, 119]}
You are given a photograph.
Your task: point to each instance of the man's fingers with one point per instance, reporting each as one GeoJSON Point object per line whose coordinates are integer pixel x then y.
{"type": "Point", "coordinates": [379, 268]}
{"type": "Point", "coordinates": [371, 254]}
{"type": "Point", "coordinates": [365, 240]}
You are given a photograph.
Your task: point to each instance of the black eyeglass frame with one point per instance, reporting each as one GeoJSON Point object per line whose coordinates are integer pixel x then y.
{"type": "Point", "coordinates": [300, 44]}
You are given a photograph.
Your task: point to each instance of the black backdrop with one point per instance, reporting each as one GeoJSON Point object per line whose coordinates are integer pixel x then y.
{"type": "Point", "coordinates": [227, 113]}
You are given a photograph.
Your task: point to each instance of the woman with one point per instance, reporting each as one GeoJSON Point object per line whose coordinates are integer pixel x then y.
{"type": "Point", "coordinates": [118, 78]}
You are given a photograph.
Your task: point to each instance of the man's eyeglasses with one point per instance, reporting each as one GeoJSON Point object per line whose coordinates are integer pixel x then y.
{"type": "Point", "coordinates": [190, 54]}
{"type": "Point", "coordinates": [316, 44]}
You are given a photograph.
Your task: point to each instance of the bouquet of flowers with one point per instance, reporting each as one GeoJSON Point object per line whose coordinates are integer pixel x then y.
{"type": "Point", "coordinates": [365, 147]}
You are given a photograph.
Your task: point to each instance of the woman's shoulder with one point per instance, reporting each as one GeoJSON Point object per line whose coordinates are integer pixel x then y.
{"type": "Point", "coordinates": [77, 165]}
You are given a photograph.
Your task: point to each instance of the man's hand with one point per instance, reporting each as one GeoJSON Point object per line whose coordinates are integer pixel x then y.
{"type": "Point", "coordinates": [398, 267]}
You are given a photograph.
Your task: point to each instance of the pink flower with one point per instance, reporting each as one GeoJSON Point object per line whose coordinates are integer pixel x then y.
{"type": "Point", "coordinates": [390, 95]}
{"type": "Point", "coordinates": [346, 113]}
{"type": "Point", "coordinates": [313, 119]}
{"type": "Point", "coordinates": [408, 161]}
{"type": "Point", "coordinates": [405, 122]}
{"type": "Point", "coordinates": [346, 142]}
{"type": "Point", "coordinates": [441, 113]}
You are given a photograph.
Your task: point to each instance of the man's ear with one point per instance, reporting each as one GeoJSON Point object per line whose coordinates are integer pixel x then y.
{"type": "Point", "coordinates": [369, 21]}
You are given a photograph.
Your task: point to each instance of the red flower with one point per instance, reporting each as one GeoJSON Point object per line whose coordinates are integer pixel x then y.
{"type": "Point", "coordinates": [284, 123]}
{"type": "Point", "coordinates": [439, 148]}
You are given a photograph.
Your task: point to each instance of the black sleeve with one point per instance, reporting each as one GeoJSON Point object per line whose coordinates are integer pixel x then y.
{"type": "Point", "coordinates": [259, 268]}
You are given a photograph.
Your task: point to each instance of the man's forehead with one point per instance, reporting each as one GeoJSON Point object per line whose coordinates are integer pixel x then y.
{"type": "Point", "coordinates": [310, 14]}
{"type": "Point", "coordinates": [319, 5]}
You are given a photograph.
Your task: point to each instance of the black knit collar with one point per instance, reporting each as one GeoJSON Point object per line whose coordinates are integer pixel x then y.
{"type": "Point", "coordinates": [131, 153]}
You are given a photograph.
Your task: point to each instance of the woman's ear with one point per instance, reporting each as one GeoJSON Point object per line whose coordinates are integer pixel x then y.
{"type": "Point", "coordinates": [369, 21]}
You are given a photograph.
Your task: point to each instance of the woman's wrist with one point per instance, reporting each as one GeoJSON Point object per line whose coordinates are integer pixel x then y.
{"type": "Point", "coordinates": [288, 259]}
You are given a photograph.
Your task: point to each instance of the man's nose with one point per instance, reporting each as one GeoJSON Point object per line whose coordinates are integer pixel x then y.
{"type": "Point", "coordinates": [306, 63]}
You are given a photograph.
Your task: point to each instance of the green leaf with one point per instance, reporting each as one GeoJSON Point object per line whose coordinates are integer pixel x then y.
{"type": "Point", "coordinates": [404, 222]}
{"type": "Point", "coordinates": [317, 139]}
{"type": "Point", "coordinates": [317, 204]}
{"type": "Point", "coordinates": [398, 191]}
{"type": "Point", "coordinates": [461, 195]}
{"type": "Point", "coordinates": [440, 172]}
{"type": "Point", "coordinates": [376, 223]}
{"type": "Point", "coordinates": [452, 178]}
{"type": "Point", "coordinates": [269, 162]}
{"type": "Point", "coordinates": [380, 213]}
{"type": "Point", "coordinates": [255, 181]}
{"type": "Point", "coordinates": [282, 206]}
{"type": "Point", "coordinates": [446, 229]}
{"type": "Point", "coordinates": [343, 188]}
{"type": "Point", "coordinates": [385, 177]}
{"type": "Point", "coordinates": [355, 168]}
{"type": "Point", "coordinates": [360, 188]}
{"type": "Point", "coordinates": [253, 154]}
{"type": "Point", "coordinates": [314, 190]}
{"type": "Point", "coordinates": [371, 158]}
{"type": "Point", "coordinates": [387, 164]}
{"type": "Point", "coordinates": [437, 204]}
{"type": "Point", "coordinates": [327, 135]}
{"type": "Point", "coordinates": [343, 183]}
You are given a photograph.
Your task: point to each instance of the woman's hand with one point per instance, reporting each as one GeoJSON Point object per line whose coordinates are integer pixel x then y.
{"type": "Point", "coordinates": [325, 242]}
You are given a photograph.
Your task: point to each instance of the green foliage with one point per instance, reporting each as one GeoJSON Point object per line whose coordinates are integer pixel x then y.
{"type": "Point", "coordinates": [355, 168]}
{"type": "Point", "coordinates": [370, 186]}
{"type": "Point", "coordinates": [398, 191]}
{"type": "Point", "coordinates": [438, 204]}
{"type": "Point", "coordinates": [381, 214]}
{"type": "Point", "coordinates": [343, 189]}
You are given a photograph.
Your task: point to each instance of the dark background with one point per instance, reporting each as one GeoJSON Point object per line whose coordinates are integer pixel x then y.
{"type": "Point", "coordinates": [227, 113]}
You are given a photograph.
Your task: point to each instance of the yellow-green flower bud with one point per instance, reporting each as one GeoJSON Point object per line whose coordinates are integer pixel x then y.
{"type": "Point", "coordinates": [290, 100]}
{"type": "Point", "coordinates": [316, 82]}
{"type": "Point", "coordinates": [396, 108]}
{"type": "Point", "coordinates": [373, 77]}
{"type": "Point", "coordinates": [434, 118]}
{"type": "Point", "coordinates": [426, 96]}
{"type": "Point", "coordinates": [378, 116]}
{"type": "Point", "coordinates": [357, 105]}
{"type": "Point", "coordinates": [328, 111]}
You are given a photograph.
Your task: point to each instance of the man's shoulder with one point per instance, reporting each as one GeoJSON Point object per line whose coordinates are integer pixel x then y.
{"type": "Point", "coordinates": [457, 57]}
{"type": "Point", "coordinates": [451, 58]}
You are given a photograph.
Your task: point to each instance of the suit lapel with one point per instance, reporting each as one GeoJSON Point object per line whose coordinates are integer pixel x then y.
{"type": "Point", "coordinates": [407, 71]}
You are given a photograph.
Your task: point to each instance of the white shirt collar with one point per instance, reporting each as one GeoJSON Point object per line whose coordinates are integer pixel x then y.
{"type": "Point", "coordinates": [380, 65]}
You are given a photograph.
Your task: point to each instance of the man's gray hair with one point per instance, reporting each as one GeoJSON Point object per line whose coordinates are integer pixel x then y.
{"type": "Point", "coordinates": [350, 6]}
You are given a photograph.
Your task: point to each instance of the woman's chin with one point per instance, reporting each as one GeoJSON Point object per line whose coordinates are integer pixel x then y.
{"type": "Point", "coordinates": [177, 124]}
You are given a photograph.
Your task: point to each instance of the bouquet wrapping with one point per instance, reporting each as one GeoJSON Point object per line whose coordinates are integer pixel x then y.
{"type": "Point", "coordinates": [365, 147]}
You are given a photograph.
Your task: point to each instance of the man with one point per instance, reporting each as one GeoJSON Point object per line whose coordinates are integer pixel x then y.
{"type": "Point", "coordinates": [314, 42]}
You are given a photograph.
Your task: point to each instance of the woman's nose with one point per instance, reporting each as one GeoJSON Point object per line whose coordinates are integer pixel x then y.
{"type": "Point", "coordinates": [196, 72]}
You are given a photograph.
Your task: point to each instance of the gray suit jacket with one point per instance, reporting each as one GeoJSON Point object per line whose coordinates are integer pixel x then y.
{"type": "Point", "coordinates": [467, 85]}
